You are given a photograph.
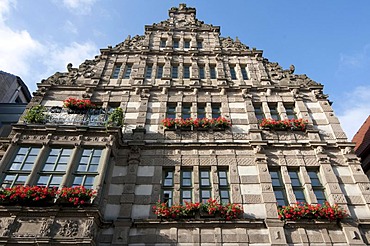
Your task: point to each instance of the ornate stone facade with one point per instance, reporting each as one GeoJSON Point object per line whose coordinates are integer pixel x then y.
{"type": "Point", "coordinates": [181, 66]}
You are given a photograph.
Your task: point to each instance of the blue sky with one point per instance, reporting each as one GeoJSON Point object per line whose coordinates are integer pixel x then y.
{"type": "Point", "coordinates": [327, 40]}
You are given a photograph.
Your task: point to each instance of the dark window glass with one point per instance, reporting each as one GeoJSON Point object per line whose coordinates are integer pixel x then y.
{"type": "Point", "coordinates": [317, 187]}
{"type": "Point", "coordinates": [201, 111]}
{"type": "Point", "coordinates": [116, 71]}
{"type": "Point", "coordinates": [163, 43]}
{"type": "Point", "coordinates": [201, 72]}
{"type": "Point", "coordinates": [297, 186]}
{"type": "Point", "coordinates": [186, 44]}
{"type": "Point", "coordinates": [171, 111]}
{"type": "Point", "coordinates": [232, 73]}
{"type": "Point", "coordinates": [223, 186]}
{"type": "Point", "coordinates": [244, 73]}
{"type": "Point", "coordinates": [199, 44]}
{"type": "Point", "coordinates": [212, 70]}
{"type": "Point", "coordinates": [127, 71]}
{"type": "Point", "coordinates": [175, 43]}
{"type": "Point", "coordinates": [159, 71]}
{"type": "Point", "coordinates": [148, 71]}
{"type": "Point", "coordinates": [186, 111]}
{"type": "Point", "coordinates": [175, 72]}
{"type": "Point", "coordinates": [167, 186]}
{"type": "Point", "coordinates": [205, 185]}
{"type": "Point", "coordinates": [186, 71]}
{"type": "Point", "coordinates": [216, 110]}
{"type": "Point", "coordinates": [273, 111]}
{"type": "Point", "coordinates": [259, 112]}
{"type": "Point", "coordinates": [278, 187]}
{"type": "Point", "coordinates": [289, 109]}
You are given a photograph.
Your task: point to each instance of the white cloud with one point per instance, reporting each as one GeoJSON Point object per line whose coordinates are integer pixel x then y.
{"type": "Point", "coordinates": [355, 110]}
{"type": "Point", "coordinates": [17, 47]}
{"type": "Point", "coordinates": [79, 6]}
{"type": "Point", "coordinates": [58, 57]}
{"type": "Point", "coordinates": [69, 27]}
{"type": "Point", "coordinates": [358, 59]}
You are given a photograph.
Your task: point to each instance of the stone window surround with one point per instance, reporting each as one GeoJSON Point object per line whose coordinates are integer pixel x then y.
{"type": "Point", "coordinates": [71, 165]}
{"type": "Point", "coordinates": [195, 187]}
{"type": "Point", "coordinates": [280, 109]}
{"type": "Point", "coordinates": [210, 109]}
{"type": "Point", "coordinates": [288, 189]}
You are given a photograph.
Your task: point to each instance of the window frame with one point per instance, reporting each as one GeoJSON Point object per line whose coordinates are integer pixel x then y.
{"type": "Point", "coordinates": [205, 187]}
{"type": "Point", "coordinates": [279, 188]}
{"type": "Point", "coordinates": [318, 187]}
{"type": "Point", "coordinates": [223, 189]}
{"type": "Point", "coordinates": [232, 72]}
{"type": "Point", "coordinates": [186, 72]}
{"type": "Point", "coordinates": [159, 73]}
{"type": "Point", "coordinates": [175, 71]}
{"type": "Point", "coordinates": [212, 71]}
{"type": "Point", "coordinates": [185, 187]}
{"type": "Point", "coordinates": [116, 71]}
{"type": "Point", "coordinates": [148, 71]}
{"type": "Point", "coordinates": [297, 186]}
{"type": "Point", "coordinates": [168, 189]}
{"type": "Point", "coordinates": [128, 70]}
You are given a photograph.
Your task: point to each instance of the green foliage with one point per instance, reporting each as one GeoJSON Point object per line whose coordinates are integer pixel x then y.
{"type": "Point", "coordinates": [36, 114]}
{"type": "Point", "coordinates": [115, 118]}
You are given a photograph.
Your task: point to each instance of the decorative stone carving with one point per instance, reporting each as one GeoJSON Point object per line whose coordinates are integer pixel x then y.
{"type": "Point", "coordinates": [229, 43]}
{"type": "Point", "coordinates": [69, 228]}
{"type": "Point", "coordinates": [89, 230]}
{"type": "Point", "coordinates": [46, 227]}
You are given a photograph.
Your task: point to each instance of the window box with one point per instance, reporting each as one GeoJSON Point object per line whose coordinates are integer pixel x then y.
{"type": "Point", "coordinates": [284, 125]}
{"type": "Point", "coordinates": [219, 123]}
{"type": "Point", "coordinates": [310, 212]}
{"type": "Point", "coordinates": [27, 196]}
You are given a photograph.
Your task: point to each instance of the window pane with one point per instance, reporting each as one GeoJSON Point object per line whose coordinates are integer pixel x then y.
{"type": "Point", "coordinates": [186, 174]}
{"type": "Point", "coordinates": [186, 194]}
{"type": "Point", "coordinates": [299, 195]}
{"type": "Point", "coordinates": [43, 180]}
{"type": "Point", "coordinates": [61, 167]}
{"type": "Point", "coordinates": [279, 194]}
{"type": "Point", "coordinates": [81, 168]}
{"type": "Point", "coordinates": [205, 182]}
{"type": "Point", "coordinates": [223, 182]}
{"type": "Point", "coordinates": [27, 167]}
{"type": "Point", "coordinates": [23, 150]}
{"type": "Point", "coordinates": [89, 181]}
{"type": "Point", "coordinates": [224, 194]}
{"type": "Point", "coordinates": [84, 160]}
{"type": "Point", "coordinates": [222, 174]}
{"type": "Point", "coordinates": [56, 181]}
{"type": "Point", "coordinates": [186, 182]}
{"type": "Point", "coordinates": [15, 166]}
{"type": "Point", "coordinates": [78, 180]}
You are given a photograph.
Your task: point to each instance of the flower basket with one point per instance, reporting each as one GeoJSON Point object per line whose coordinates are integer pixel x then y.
{"type": "Point", "coordinates": [75, 196]}
{"type": "Point", "coordinates": [78, 106]}
{"type": "Point", "coordinates": [284, 125]}
{"type": "Point", "coordinates": [199, 123]}
{"type": "Point", "coordinates": [307, 211]}
{"type": "Point", "coordinates": [36, 115]}
{"type": "Point", "coordinates": [27, 196]}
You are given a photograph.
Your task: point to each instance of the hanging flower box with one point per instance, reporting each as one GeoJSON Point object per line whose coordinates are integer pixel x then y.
{"type": "Point", "coordinates": [307, 211]}
{"type": "Point", "coordinates": [191, 210]}
{"type": "Point", "coordinates": [27, 196]}
{"type": "Point", "coordinates": [293, 124]}
{"type": "Point", "coordinates": [199, 123]}
{"type": "Point", "coordinates": [78, 106]}
{"type": "Point", "coordinates": [75, 196]}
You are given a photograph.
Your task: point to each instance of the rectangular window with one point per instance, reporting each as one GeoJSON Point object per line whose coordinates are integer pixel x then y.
{"type": "Point", "coordinates": [186, 111]}
{"type": "Point", "coordinates": [205, 185]}
{"type": "Point", "coordinates": [290, 113]}
{"type": "Point", "coordinates": [212, 70]}
{"type": "Point", "coordinates": [127, 71]}
{"type": "Point", "coordinates": [223, 186]}
{"type": "Point", "coordinates": [176, 43]}
{"type": "Point", "coordinates": [199, 44]}
{"type": "Point", "coordinates": [88, 168]}
{"type": "Point", "coordinates": [201, 111]}
{"type": "Point", "coordinates": [167, 187]}
{"type": "Point", "coordinates": [297, 186]}
{"type": "Point", "coordinates": [55, 167]}
{"type": "Point", "coordinates": [159, 71]}
{"type": "Point", "coordinates": [317, 187]}
{"type": "Point", "coordinates": [116, 70]}
{"type": "Point", "coordinates": [148, 71]}
{"type": "Point", "coordinates": [175, 71]}
{"type": "Point", "coordinates": [171, 110]}
{"type": "Point", "coordinates": [232, 72]}
{"type": "Point", "coordinates": [186, 44]}
{"type": "Point", "coordinates": [244, 72]}
{"type": "Point", "coordinates": [259, 112]}
{"type": "Point", "coordinates": [186, 186]}
{"type": "Point", "coordinates": [201, 72]}
{"type": "Point", "coordinates": [21, 166]}
{"type": "Point", "coordinates": [274, 112]}
{"type": "Point", "coordinates": [278, 187]}
{"type": "Point", "coordinates": [163, 43]}
{"type": "Point", "coordinates": [186, 72]}
{"type": "Point", "coordinates": [216, 112]}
